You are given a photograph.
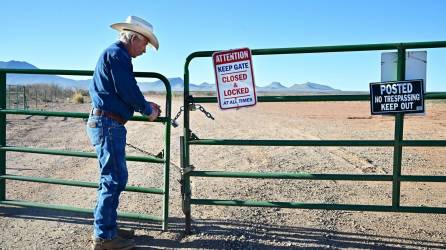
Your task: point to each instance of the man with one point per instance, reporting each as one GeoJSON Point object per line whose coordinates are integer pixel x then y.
{"type": "Point", "coordinates": [115, 96]}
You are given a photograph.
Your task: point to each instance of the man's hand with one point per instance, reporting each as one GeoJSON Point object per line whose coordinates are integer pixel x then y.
{"type": "Point", "coordinates": [156, 111]}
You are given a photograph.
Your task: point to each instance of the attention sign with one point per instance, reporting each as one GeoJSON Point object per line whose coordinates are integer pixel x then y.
{"type": "Point", "coordinates": [397, 97]}
{"type": "Point", "coordinates": [235, 78]}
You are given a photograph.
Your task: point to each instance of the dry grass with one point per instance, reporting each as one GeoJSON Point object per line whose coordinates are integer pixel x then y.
{"type": "Point", "coordinates": [78, 98]}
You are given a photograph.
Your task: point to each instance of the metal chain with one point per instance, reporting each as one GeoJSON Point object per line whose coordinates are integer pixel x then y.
{"type": "Point", "coordinates": [160, 155]}
{"type": "Point", "coordinates": [193, 106]}
{"type": "Point", "coordinates": [208, 114]}
{"type": "Point", "coordinates": [174, 121]}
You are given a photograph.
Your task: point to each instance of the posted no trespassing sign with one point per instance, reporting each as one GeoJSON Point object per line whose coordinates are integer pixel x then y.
{"type": "Point", "coordinates": [234, 78]}
{"type": "Point", "coordinates": [397, 97]}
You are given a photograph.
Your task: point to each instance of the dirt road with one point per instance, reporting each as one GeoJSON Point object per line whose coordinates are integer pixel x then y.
{"type": "Point", "coordinates": [218, 227]}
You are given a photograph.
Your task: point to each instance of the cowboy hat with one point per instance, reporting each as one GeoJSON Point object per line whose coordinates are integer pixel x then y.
{"type": "Point", "coordinates": [140, 26]}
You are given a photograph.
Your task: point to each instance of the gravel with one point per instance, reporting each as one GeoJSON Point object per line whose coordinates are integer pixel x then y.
{"type": "Point", "coordinates": [220, 227]}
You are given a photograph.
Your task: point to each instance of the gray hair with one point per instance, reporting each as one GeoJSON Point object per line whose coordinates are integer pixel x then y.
{"type": "Point", "coordinates": [126, 36]}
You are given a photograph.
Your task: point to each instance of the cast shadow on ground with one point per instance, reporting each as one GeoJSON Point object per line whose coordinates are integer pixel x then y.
{"type": "Point", "coordinates": [231, 234]}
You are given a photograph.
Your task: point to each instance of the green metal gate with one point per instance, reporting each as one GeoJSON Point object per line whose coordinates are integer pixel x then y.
{"type": "Point", "coordinates": [165, 159]}
{"type": "Point", "coordinates": [189, 139]}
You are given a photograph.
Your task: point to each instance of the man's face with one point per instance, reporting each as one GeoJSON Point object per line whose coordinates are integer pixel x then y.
{"type": "Point", "coordinates": [138, 46]}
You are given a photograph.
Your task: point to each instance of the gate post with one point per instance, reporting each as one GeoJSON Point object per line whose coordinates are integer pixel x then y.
{"type": "Point", "coordinates": [185, 189]}
{"type": "Point", "coordinates": [185, 177]}
{"type": "Point", "coordinates": [398, 148]}
{"type": "Point", "coordinates": [167, 157]}
{"type": "Point", "coordinates": [2, 135]}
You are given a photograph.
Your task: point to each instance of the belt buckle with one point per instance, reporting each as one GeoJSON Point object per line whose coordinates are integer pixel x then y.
{"type": "Point", "coordinates": [96, 111]}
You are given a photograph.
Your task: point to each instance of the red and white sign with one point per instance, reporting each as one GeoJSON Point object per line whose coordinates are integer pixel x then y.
{"type": "Point", "coordinates": [235, 78]}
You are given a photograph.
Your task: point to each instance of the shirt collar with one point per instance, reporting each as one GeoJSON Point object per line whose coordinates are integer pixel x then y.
{"type": "Point", "coordinates": [122, 46]}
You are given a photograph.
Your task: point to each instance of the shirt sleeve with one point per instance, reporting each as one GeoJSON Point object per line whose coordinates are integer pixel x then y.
{"type": "Point", "coordinates": [125, 85]}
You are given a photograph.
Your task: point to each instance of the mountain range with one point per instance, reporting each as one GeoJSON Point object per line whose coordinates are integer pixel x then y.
{"type": "Point", "coordinates": [176, 83]}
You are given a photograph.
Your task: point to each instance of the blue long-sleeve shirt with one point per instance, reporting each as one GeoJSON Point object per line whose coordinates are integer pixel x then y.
{"type": "Point", "coordinates": [114, 87]}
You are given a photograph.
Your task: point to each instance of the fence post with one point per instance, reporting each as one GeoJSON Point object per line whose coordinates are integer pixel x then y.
{"type": "Point", "coordinates": [17, 97]}
{"type": "Point", "coordinates": [398, 148]}
{"type": "Point", "coordinates": [25, 102]}
{"type": "Point", "coordinates": [2, 135]}
{"type": "Point", "coordinates": [8, 93]}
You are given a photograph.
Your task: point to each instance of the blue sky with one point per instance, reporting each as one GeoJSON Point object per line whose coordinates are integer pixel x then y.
{"type": "Point", "coordinates": [71, 35]}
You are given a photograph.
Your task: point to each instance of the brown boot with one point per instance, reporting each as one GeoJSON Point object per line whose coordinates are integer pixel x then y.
{"type": "Point", "coordinates": [117, 243]}
{"type": "Point", "coordinates": [126, 233]}
{"type": "Point", "coordinates": [123, 233]}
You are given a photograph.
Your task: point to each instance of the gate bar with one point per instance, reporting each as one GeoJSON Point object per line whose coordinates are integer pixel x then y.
{"type": "Point", "coordinates": [69, 114]}
{"type": "Point", "coordinates": [78, 183]}
{"type": "Point", "coordinates": [150, 159]}
{"type": "Point", "coordinates": [320, 143]}
{"type": "Point", "coordinates": [328, 206]}
{"type": "Point", "coordinates": [325, 49]}
{"type": "Point", "coordinates": [128, 215]}
{"type": "Point", "coordinates": [312, 98]}
{"type": "Point", "coordinates": [327, 143]}
{"type": "Point", "coordinates": [310, 176]}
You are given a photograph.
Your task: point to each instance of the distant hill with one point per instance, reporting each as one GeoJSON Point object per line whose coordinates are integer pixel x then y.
{"type": "Point", "coordinates": [16, 65]}
{"type": "Point", "coordinates": [177, 83]}
{"type": "Point", "coordinates": [27, 79]}
{"type": "Point", "coordinates": [272, 87]}
{"type": "Point", "coordinates": [311, 87]}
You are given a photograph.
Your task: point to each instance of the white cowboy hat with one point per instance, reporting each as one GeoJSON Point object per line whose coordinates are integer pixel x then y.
{"type": "Point", "coordinates": [140, 26]}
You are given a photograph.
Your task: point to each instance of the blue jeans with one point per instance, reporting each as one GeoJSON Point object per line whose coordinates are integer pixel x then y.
{"type": "Point", "coordinates": [109, 138]}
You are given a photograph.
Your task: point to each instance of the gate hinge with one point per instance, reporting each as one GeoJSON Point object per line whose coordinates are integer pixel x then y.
{"type": "Point", "coordinates": [193, 136]}
{"type": "Point", "coordinates": [160, 154]}
{"type": "Point", "coordinates": [187, 169]}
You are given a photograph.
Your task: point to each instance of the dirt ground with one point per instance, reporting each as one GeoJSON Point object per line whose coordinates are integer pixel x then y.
{"type": "Point", "coordinates": [220, 227]}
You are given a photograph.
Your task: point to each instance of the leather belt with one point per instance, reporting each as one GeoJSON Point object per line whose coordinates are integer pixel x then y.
{"type": "Point", "coordinates": [100, 112]}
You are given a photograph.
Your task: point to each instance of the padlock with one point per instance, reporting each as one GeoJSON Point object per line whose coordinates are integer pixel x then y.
{"type": "Point", "coordinates": [174, 124]}
{"type": "Point", "coordinates": [192, 107]}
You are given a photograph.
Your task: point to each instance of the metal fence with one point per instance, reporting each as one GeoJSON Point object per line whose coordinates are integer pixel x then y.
{"type": "Point", "coordinates": [165, 159]}
{"type": "Point", "coordinates": [16, 97]}
{"type": "Point", "coordinates": [37, 96]}
{"type": "Point", "coordinates": [189, 139]}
